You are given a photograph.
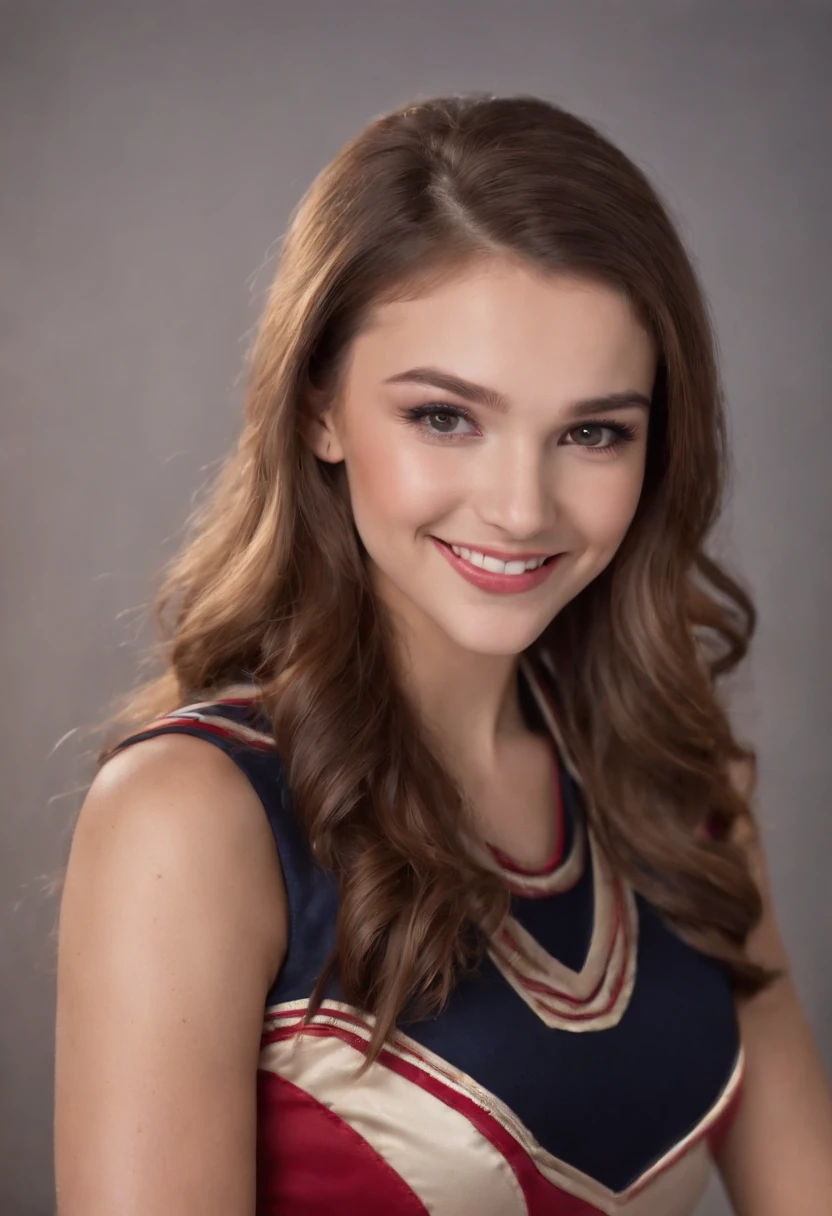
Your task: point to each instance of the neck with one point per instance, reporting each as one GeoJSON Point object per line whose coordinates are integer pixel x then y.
{"type": "Point", "coordinates": [468, 702]}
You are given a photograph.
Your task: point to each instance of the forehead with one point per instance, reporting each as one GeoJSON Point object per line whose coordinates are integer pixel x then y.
{"type": "Point", "coordinates": [515, 329]}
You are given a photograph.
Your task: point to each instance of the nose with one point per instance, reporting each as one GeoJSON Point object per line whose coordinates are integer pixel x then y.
{"type": "Point", "coordinates": [515, 494]}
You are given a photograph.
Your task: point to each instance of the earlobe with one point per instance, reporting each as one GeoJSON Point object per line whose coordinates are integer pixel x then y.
{"type": "Point", "coordinates": [318, 431]}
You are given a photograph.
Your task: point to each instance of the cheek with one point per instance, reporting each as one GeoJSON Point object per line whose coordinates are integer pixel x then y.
{"type": "Point", "coordinates": [600, 501]}
{"type": "Point", "coordinates": [395, 482]}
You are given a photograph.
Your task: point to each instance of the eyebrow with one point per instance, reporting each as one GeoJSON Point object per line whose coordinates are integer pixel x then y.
{"type": "Point", "coordinates": [434, 377]}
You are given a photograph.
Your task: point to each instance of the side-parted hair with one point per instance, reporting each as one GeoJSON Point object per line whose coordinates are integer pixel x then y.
{"type": "Point", "coordinates": [272, 583]}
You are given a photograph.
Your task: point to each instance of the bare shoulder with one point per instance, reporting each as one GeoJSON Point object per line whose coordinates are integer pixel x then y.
{"type": "Point", "coordinates": [172, 928]}
{"type": "Point", "coordinates": [176, 768]}
{"type": "Point", "coordinates": [777, 1154]}
{"type": "Point", "coordinates": [176, 810]}
{"type": "Point", "coordinates": [765, 945]}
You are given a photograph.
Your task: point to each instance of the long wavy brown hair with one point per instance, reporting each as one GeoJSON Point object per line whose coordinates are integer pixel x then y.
{"type": "Point", "coordinates": [272, 586]}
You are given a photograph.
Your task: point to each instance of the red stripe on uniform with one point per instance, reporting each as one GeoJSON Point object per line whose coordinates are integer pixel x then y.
{"type": "Point", "coordinates": [206, 728]}
{"type": "Point", "coordinates": [310, 1162]}
{"type": "Point", "coordinates": [543, 1198]}
{"type": "Point", "coordinates": [543, 990]}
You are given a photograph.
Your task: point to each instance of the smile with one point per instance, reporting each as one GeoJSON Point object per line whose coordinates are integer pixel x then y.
{"type": "Point", "coordinates": [491, 573]}
{"type": "Point", "coordinates": [486, 562]}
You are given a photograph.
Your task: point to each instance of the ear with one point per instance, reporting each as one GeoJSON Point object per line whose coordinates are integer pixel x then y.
{"type": "Point", "coordinates": [318, 428]}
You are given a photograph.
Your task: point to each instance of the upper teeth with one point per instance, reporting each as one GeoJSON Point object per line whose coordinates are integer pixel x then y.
{"type": "Point", "coordinates": [494, 564]}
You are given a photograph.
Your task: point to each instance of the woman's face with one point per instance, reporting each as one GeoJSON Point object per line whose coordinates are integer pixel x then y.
{"type": "Point", "coordinates": [504, 413]}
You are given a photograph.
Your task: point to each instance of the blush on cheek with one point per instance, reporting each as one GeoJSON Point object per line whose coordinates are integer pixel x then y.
{"type": "Point", "coordinates": [603, 519]}
{"type": "Point", "coordinates": [404, 489]}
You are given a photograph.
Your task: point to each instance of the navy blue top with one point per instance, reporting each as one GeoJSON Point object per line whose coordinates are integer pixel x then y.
{"type": "Point", "coordinates": [592, 1049]}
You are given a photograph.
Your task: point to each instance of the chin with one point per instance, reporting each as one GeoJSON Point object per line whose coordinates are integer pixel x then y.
{"type": "Point", "coordinates": [500, 637]}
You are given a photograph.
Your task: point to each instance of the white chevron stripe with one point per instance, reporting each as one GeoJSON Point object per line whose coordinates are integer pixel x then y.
{"type": "Point", "coordinates": [672, 1186]}
{"type": "Point", "coordinates": [437, 1151]}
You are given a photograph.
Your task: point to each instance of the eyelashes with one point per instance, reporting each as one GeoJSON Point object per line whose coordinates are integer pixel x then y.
{"type": "Point", "coordinates": [621, 433]}
{"type": "Point", "coordinates": [419, 417]}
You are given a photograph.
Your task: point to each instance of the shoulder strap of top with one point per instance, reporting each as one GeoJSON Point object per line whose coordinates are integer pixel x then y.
{"type": "Point", "coordinates": [238, 725]}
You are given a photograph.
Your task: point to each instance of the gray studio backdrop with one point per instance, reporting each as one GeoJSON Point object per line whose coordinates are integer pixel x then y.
{"type": "Point", "coordinates": [151, 154]}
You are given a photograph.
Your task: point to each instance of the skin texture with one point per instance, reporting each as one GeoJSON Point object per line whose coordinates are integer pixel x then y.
{"type": "Point", "coordinates": [172, 925]}
{"type": "Point", "coordinates": [527, 479]}
{"type": "Point", "coordinates": [173, 919]}
{"type": "Point", "coordinates": [535, 475]}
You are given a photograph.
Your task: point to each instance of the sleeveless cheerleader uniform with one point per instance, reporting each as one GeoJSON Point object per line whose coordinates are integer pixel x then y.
{"type": "Point", "coordinates": [596, 1077]}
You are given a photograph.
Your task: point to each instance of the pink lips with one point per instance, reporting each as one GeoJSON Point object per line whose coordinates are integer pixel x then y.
{"type": "Point", "coordinates": [487, 580]}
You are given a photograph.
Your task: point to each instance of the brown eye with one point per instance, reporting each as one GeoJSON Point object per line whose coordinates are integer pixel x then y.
{"type": "Point", "coordinates": [446, 422]}
{"type": "Point", "coordinates": [600, 436]}
{"type": "Point", "coordinates": [441, 421]}
{"type": "Point", "coordinates": [592, 436]}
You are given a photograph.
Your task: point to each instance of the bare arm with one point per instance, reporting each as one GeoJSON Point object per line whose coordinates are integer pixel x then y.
{"type": "Point", "coordinates": [172, 928]}
{"type": "Point", "coordinates": [777, 1156]}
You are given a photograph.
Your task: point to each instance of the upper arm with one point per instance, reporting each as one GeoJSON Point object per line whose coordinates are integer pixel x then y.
{"type": "Point", "coordinates": [172, 927]}
{"type": "Point", "coordinates": [777, 1155]}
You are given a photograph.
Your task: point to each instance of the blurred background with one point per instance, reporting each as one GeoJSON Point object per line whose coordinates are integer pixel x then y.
{"type": "Point", "coordinates": [150, 156]}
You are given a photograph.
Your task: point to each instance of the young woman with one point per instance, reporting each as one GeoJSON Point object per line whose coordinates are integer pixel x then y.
{"type": "Point", "coordinates": [436, 774]}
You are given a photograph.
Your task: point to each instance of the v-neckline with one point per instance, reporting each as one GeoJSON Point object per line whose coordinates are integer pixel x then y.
{"type": "Point", "coordinates": [595, 995]}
